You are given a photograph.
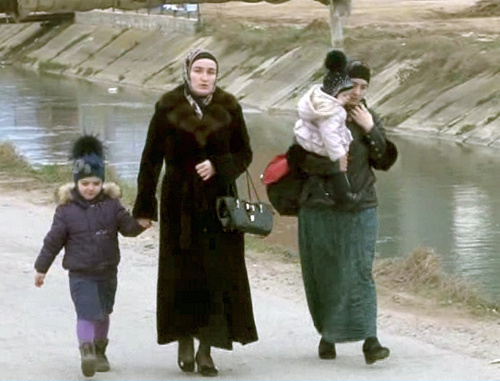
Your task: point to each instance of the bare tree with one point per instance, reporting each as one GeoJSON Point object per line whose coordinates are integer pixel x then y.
{"type": "Point", "coordinates": [338, 9]}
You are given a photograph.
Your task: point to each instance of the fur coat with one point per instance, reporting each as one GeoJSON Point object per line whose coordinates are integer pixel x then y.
{"type": "Point", "coordinates": [202, 287]}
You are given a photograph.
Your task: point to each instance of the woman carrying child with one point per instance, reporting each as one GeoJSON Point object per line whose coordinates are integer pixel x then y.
{"type": "Point", "coordinates": [321, 130]}
{"type": "Point", "coordinates": [337, 239]}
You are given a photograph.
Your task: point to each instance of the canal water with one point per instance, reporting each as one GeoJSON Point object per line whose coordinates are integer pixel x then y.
{"type": "Point", "coordinates": [437, 195]}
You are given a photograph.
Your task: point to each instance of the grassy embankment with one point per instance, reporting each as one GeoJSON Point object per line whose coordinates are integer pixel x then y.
{"type": "Point", "coordinates": [419, 273]}
{"type": "Point", "coordinates": [441, 57]}
{"type": "Point", "coordinates": [49, 176]}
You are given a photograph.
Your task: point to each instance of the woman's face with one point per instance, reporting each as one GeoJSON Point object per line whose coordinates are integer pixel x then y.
{"type": "Point", "coordinates": [358, 91]}
{"type": "Point", "coordinates": [203, 75]}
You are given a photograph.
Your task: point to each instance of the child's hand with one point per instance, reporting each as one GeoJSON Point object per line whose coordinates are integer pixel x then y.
{"type": "Point", "coordinates": [144, 222]}
{"type": "Point", "coordinates": [39, 279]}
{"type": "Point", "coordinates": [343, 163]}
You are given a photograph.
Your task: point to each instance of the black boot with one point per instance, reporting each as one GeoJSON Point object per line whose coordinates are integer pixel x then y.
{"type": "Point", "coordinates": [326, 350]}
{"type": "Point", "coordinates": [374, 351]}
{"type": "Point", "coordinates": [102, 364]}
{"type": "Point", "coordinates": [315, 195]}
{"type": "Point", "coordinates": [88, 359]}
{"type": "Point", "coordinates": [342, 189]}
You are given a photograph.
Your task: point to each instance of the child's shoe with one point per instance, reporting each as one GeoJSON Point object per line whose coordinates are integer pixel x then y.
{"type": "Point", "coordinates": [88, 359]}
{"type": "Point", "coordinates": [102, 364]}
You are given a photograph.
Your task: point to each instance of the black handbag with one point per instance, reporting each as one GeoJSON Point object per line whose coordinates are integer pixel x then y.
{"type": "Point", "coordinates": [239, 215]}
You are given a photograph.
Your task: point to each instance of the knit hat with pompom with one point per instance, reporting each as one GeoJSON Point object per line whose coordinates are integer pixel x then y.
{"type": "Point", "coordinates": [87, 154]}
{"type": "Point", "coordinates": [336, 79]}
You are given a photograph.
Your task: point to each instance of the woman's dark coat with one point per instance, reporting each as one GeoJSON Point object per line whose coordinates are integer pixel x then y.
{"type": "Point", "coordinates": [202, 287]}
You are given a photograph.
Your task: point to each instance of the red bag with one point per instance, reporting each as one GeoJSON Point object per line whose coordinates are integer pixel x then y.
{"type": "Point", "coordinates": [275, 170]}
{"type": "Point", "coordinates": [283, 185]}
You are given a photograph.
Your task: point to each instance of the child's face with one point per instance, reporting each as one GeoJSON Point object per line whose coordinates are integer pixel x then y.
{"type": "Point", "coordinates": [89, 187]}
{"type": "Point", "coordinates": [343, 97]}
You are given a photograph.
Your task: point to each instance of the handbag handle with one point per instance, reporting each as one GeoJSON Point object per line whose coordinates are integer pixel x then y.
{"type": "Point", "coordinates": [250, 181]}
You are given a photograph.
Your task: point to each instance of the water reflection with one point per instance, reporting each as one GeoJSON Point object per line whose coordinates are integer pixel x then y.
{"type": "Point", "coordinates": [445, 197]}
{"type": "Point", "coordinates": [437, 195]}
{"type": "Point", "coordinates": [472, 227]}
{"type": "Point", "coordinates": [42, 115]}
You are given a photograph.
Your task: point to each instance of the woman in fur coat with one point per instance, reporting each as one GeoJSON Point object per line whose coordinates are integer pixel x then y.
{"type": "Point", "coordinates": [199, 133]}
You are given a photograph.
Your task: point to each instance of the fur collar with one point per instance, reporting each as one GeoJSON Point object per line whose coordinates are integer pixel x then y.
{"type": "Point", "coordinates": [217, 115]}
{"type": "Point", "coordinates": [64, 193]}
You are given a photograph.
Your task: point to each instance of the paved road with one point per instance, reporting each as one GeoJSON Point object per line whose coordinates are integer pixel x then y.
{"type": "Point", "coordinates": [37, 333]}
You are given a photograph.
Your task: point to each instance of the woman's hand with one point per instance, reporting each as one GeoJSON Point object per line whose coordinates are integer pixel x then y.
{"type": "Point", "coordinates": [205, 170]}
{"type": "Point", "coordinates": [144, 222]}
{"type": "Point", "coordinates": [360, 114]}
{"type": "Point", "coordinates": [39, 279]}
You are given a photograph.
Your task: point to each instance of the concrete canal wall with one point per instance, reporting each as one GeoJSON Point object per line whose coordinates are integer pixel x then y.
{"type": "Point", "coordinates": [133, 49]}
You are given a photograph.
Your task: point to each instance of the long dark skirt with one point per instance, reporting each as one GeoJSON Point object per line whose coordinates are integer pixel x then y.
{"type": "Point", "coordinates": [336, 251]}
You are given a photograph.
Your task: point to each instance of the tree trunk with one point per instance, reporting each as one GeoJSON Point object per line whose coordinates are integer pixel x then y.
{"type": "Point", "coordinates": [336, 35]}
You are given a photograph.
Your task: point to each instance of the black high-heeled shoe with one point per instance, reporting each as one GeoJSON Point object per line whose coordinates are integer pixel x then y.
{"type": "Point", "coordinates": [206, 370]}
{"type": "Point", "coordinates": [185, 365]}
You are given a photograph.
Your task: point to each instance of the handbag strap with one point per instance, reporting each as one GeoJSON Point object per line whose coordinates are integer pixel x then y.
{"type": "Point", "coordinates": [250, 181]}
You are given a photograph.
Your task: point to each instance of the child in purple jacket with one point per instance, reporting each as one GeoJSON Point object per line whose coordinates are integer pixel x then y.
{"type": "Point", "coordinates": [86, 223]}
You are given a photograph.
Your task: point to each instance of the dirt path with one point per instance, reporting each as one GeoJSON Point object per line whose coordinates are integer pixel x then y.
{"type": "Point", "coordinates": [38, 340]}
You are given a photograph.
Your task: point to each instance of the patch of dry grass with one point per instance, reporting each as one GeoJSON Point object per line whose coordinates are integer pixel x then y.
{"type": "Point", "coordinates": [420, 273]}
{"type": "Point", "coordinates": [266, 39]}
{"type": "Point", "coordinates": [11, 162]}
{"type": "Point", "coordinates": [483, 8]}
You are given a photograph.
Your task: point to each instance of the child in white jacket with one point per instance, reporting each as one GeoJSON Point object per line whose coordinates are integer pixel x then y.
{"type": "Point", "coordinates": [321, 127]}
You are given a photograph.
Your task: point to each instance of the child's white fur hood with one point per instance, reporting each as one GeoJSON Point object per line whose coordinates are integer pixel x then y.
{"type": "Point", "coordinates": [63, 193]}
